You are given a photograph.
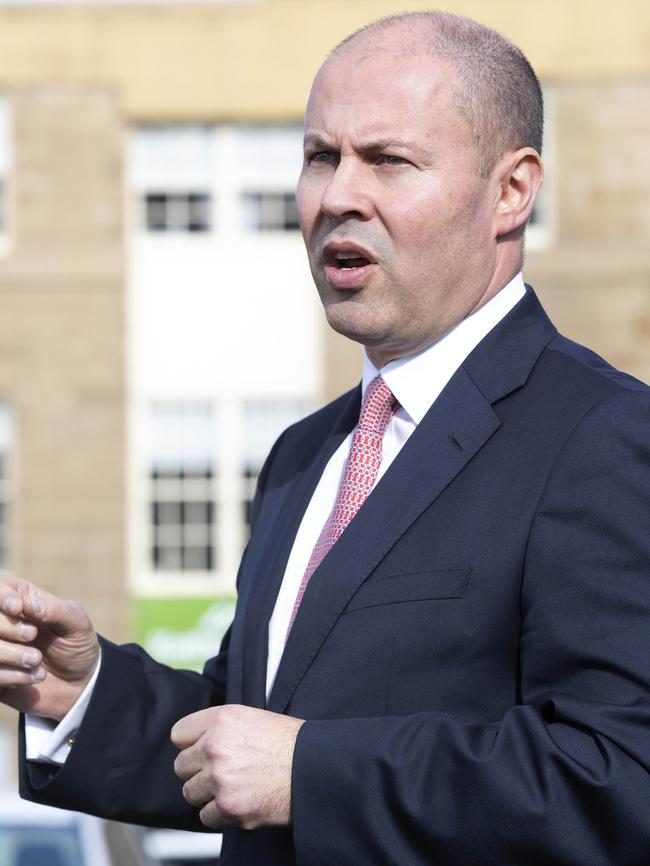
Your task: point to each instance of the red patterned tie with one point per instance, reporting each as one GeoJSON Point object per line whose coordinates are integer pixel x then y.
{"type": "Point", "coordinates": [359, 475]}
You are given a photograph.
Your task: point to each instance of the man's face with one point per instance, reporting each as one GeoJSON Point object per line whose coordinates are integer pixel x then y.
{"type": "Point", "coordinates": [396, 219]}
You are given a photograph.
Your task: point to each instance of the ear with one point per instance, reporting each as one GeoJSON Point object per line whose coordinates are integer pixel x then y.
{"type": "Point", "coordinates": [518, 175]}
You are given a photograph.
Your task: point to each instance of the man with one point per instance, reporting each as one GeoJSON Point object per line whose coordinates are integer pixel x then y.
{"type": "Point", "coordinates": [440, 650]}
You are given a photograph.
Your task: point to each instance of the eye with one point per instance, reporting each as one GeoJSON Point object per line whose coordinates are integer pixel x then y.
{"type": "Point", "coordinates": [389, 159]}
{"type": "Point", "coordinates": [321, 156]}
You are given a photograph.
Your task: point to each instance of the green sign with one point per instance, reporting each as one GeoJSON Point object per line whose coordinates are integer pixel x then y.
{"type": "Point", "coordinates": [183, 632]}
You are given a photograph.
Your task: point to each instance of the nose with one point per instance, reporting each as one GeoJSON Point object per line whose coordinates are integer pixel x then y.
{"type": "Point", "coordinates": [347, 194]}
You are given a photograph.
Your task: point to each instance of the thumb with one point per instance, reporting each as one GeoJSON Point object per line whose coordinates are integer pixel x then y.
{"type": "Point", "coordinates": [190, 729]}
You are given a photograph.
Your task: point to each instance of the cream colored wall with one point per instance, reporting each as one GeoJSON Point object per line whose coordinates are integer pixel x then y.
{"type": "Point", "coordinates": [62, 343]}
{"type": "Point", "coordinates": [62, 349]}
{"type": "Point", "coordinates": [256, 60]}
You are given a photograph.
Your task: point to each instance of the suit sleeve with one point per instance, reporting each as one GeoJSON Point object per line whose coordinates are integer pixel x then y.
{"type": "Point", "coordinates": [122, 763]}
{"type": "Point", "coordinates": [563, 779]}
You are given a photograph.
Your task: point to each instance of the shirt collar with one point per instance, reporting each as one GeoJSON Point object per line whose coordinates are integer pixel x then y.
{"type": "Point", "coordinates": [417, 380]}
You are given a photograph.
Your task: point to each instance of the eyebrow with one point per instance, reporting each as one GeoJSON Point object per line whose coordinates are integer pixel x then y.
{"type": "Point", "coordinates": [388, 143]}
{"type": "Point", "coordinates": [314, 140]}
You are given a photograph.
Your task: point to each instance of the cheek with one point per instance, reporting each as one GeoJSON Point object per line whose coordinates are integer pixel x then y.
{"type": "Point", "coordinates": [435, 226]}
{"type": "Point", "coordinates": [421, 216]}
{"type": "Point", "coordinates": [308, 205]}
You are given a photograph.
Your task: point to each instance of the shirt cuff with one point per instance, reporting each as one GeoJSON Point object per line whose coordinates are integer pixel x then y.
{"type": "Point", "coordinates": [45, 740]}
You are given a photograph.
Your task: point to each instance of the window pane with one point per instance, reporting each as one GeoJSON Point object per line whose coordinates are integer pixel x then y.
{"type": "Point", "coordinates": [269, 211]}
{"type": "Point", "coordinates": [291, 222]}
{"type": "Point", "coordinates": [196, 559]}
{"type": "Point", "coordinates": [167, 558]}
{"type": "Point", "coordinates": [196, 535]}
{"type": "Point", "coordinates": [177, 212]}
{"type": "Point", "coordinates": [181, 442]}
{"type": "Point", "coordinates": [156, 212]}
{"type": "Point", "coordinates": [198, 212]}
{"type": "Point", "coordinates": [167, 512]}
{"type": "Point", "coordinates": [198, 512]}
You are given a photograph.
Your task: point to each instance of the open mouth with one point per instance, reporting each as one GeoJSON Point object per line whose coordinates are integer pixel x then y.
{"type": "Point", "coordinates": [347, 262]}
{"type": "Point", "coordinates": [347, 265]}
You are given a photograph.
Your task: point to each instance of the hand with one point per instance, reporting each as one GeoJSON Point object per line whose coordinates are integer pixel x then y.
{"type": "Point", "coordinates": [48, 649]}
{"type": "Point", "coordinates": [236, 764]}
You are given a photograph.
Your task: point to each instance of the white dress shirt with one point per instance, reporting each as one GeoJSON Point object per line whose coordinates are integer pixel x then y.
{"type": "Point", "coordinates": [416, 381]}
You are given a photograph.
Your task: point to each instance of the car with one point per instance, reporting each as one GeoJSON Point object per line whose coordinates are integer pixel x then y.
{"type": "Point", "coordinates": [36, 835]}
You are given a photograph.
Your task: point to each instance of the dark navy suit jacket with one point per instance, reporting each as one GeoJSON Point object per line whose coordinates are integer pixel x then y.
{"type": "Point", "coordinates": [473, 655]}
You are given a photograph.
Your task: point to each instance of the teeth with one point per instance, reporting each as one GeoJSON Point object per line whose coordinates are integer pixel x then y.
{"type": "Point", "coordinates": [347, 260]}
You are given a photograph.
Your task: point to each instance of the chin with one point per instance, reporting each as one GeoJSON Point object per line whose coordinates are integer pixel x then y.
{"type": "Point", "coordinates": [349, 323]}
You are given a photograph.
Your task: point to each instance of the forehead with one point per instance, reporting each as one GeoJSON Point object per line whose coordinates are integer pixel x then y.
{"type": "Point", "coordinates": [381, 94]}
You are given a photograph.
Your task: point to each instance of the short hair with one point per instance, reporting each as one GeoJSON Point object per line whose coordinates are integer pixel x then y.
{"type": "Point", "coordinates": [500, 96]}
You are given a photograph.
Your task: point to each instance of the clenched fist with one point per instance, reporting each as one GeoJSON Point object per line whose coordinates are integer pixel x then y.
{"type": "Point", "coordinates": [236, 764]}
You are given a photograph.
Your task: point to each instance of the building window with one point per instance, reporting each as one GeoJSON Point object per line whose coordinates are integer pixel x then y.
{"type": "Point", "coordinates": [172, 172]}
{"type": "Point", "coordinates": [182, 508]}
{"type": "Point", "coordinates": [177, 212]}
{"type": "Point", "coordinates": [269, 211]}
{"type": "Point", "coordinates": [196, 486]}
{"type": "Point", "coordinates": [6, 439]}
{"type": "Point", "coordinates": [270, 158]}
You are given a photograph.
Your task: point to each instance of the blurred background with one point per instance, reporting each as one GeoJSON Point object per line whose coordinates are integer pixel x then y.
{"type": "Point", "coordinates": [158, 324]}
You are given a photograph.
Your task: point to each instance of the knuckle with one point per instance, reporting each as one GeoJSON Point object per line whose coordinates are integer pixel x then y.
{"type": "Point", "coordinates": [236, 808]}
{"type": "Point", "coordinates": [212, 747]}
{"type": "Point", "coordinates": [189, 796]}
{"type": "Point", "coordinates": [215, 776]}
{"type": "Point", "coordinates": [228, 805]}
{"type": "Point", "coordinates": [210, 817]}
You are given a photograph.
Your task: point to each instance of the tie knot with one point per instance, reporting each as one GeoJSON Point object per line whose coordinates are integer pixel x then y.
{"type": "Point", "coordinates": [377, 408]}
